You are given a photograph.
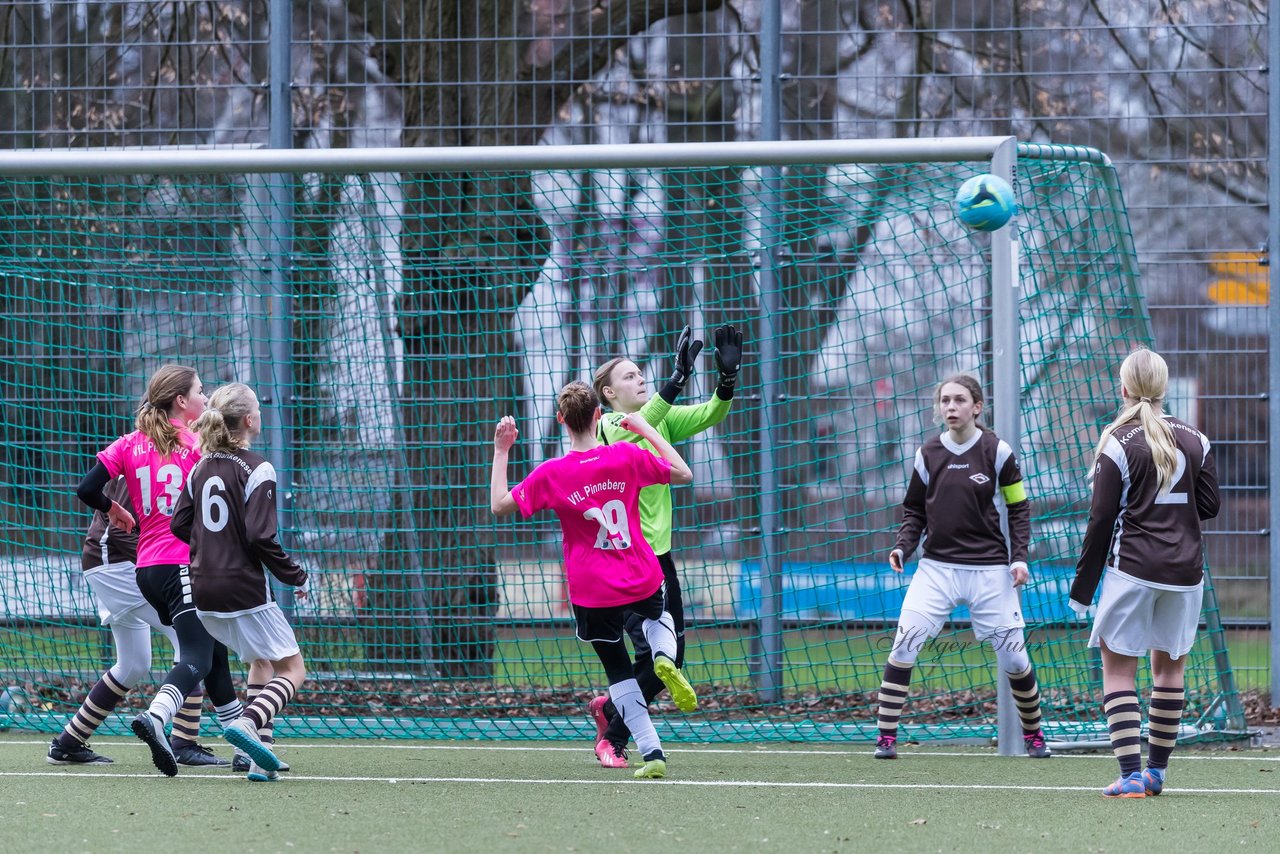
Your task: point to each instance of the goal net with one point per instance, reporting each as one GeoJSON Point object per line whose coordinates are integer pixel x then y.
{"type": "Point", "coordinates": [389, 306]}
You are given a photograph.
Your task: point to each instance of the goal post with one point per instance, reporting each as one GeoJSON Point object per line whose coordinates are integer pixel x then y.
{"type": "Point", "coordinates": [390, 304]}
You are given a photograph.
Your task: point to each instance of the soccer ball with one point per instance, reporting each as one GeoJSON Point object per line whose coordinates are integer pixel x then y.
{"type": "Point", "coordinates": [985, 202]}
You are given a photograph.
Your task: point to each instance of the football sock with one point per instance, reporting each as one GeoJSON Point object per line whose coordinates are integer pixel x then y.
{"type": "Point", "coordinates": [228, 713]}
{"type": "Point", "coordinates": [165, 704]}
{"type": "Point", "coordinates": [1124, 720]}
{"type": "Point", "coordinates": [661, 635]}
{"type": "Point", "coordinates": [893, 694]}
{"type": "Point", "coordinates": [1026, 694]}
{"type": "Point", "coordinates": [266, 733]}
{"type": "Point", "coordinates": [273, 697]}
{"type": "Point", "coordinates": [186, 723]}
{"type": "Point", "coordinates": [635, 713]}
{"type": "Point", "coordinates": [1164, 716]}
{"type": "Point", "coordinates": [104, 696]}
{"type": "Point", "coordinates": [650, 686]}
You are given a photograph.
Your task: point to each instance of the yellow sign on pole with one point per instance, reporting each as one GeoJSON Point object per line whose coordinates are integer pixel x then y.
{"type": "Point", "coordinates": [1239, 278]}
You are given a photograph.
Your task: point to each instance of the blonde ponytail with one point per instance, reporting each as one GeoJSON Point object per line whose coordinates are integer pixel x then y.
{"type": "Point", "coordinates": [222, 426]}
{"type": "Point", "coordinates": [1145, 377]}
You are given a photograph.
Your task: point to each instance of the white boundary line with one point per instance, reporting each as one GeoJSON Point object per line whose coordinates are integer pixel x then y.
{"type": "Point", "coordinates": [677, 749]}
{"type": "Point", "coordinates": [728, 784]}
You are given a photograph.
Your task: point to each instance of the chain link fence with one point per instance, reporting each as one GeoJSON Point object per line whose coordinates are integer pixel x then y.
{"type": "Point", "coordinates": [1176, 95]}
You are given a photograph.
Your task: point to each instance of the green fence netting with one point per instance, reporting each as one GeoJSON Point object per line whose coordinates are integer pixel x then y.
{"type": "Point", "coordinates": [387, 320]}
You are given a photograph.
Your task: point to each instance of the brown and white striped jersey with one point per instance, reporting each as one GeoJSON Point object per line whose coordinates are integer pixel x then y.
{"type": "Point", "coordinates": [227, 512]}
{"type": "Point", "coordinates": [1135, 529]}
{"type": "Point", "coordinates": [104, 543]}
{"type": "Point", "coordinates": [968, 502]}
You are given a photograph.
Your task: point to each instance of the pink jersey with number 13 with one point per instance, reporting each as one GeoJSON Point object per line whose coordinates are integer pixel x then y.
{"type": "Point", "coordinates": [154, 485]}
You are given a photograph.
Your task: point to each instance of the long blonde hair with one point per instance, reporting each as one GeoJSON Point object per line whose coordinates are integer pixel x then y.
{"type": "Point", "coordinates": [222, 425]}
{"type": "Point", "coordinates": [1145, 378]}
{"type": "Point", "coordinates": [152, 418]}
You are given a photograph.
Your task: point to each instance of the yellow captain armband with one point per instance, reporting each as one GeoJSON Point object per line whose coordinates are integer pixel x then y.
{"type": "Point", "coordinates": [1014, 493]}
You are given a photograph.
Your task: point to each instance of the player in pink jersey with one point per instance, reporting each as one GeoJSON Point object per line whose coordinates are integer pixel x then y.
{"type": "Point", "coordinates": [595, 491]}
{"type": "Point", "coordinates": [107, 557]}
{"type": "Point", "coordinates": [154, 461]}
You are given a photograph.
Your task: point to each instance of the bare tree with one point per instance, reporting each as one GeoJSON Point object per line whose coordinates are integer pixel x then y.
{"type": "Point", "coordinates": [484, 73]}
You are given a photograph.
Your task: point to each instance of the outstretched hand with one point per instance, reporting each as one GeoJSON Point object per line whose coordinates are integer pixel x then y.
{"type": "Point", "coordinates": [686, 355]}
{"type": "Point", "coordinates": [728, 350]}
{"type": "Point", "coordinates": [504, 436]}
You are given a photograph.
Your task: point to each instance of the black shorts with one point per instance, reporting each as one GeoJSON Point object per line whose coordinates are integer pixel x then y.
{"type": "Point", "coordinates": [609, 624]}
{"type": "Point", "coordinates": [167, 588]}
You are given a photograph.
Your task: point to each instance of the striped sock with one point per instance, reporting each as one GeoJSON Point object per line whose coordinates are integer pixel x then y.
{"type": "Point", "coordinates": [1124, 720]}
{"type": "Point", "coordinates": [165, 704]}
{"type": "Point", "coordinates": [267, 732]}
{"type": "Point", "coordinates": [104, 696]}
{"type": "Point", "coordinates": [186, 723]}
{"type": "Point", "coordinates": [228, 713]}
{"type": "Point", "coordinates": [1164, 716]}
{"type": "Point", "coordinates": [893, 694]}
{"type": "Point", "coordinates": [273, 697]}
{"type": "Point", "coordinates": [1026, 694]}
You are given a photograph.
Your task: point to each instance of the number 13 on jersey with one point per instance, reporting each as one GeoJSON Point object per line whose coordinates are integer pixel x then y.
{"type": "Point", "coordinates": [169, 481]}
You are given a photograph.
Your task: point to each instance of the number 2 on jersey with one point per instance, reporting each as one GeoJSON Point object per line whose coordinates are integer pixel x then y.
{"type": "Point", "coordinates": [614, 529]}
{"type": "Point", "coordinates": [169, 479]}
{"type": "Point", "coordinates": [1172, 497]}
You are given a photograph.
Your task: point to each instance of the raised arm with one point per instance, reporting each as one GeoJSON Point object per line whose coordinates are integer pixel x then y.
{"type": "Point", "coordinates": [680, 471]}
{"type": "Point", "coordinates": [682, 422]}
{"type": "Point", "coordinates": [656, 407]}
{"type": "Point", "coordinates": [501, 501]}
{"type": "Point", "coordinates": [686, 357]}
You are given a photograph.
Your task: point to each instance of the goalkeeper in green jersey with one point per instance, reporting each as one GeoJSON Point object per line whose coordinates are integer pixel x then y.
{"type": "Point", "coordinates": [620, 386]}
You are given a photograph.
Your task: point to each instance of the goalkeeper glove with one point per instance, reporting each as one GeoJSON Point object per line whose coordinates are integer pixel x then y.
{"type": "Point", "coordinates": [728, 358]}
{"type": "Point", "coordinates": [686, 354]}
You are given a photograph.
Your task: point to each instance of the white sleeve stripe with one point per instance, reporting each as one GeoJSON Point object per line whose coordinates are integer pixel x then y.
{"type": "Point", "coordinates": [920, 469]}
{"type": "Point", "coordinates": [1115, 451]}
{"type": "Point", "coordinates": [264, 473]}
{"type": "Point", "coordinates": [1003, 451]}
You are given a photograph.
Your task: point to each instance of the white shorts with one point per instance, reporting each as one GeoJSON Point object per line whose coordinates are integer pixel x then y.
{"type": "Point", "coordinates": [1134, 618]}
{"type": "Point", "coordinates": [263, 634]}
{"type": "Point", "coordinates": [120, 602]}
{"type": "Point", "coordinates": [936, 590]}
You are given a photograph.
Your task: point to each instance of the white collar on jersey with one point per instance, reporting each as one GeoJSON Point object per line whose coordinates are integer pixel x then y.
{"type": "Point", "coordinates": [950, 444]}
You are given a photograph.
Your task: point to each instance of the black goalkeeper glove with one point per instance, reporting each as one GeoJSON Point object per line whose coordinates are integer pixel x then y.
{"type": "Point", "coordinates": [686, 355]}
{"type": "Point", "coordinates": [728, 358]}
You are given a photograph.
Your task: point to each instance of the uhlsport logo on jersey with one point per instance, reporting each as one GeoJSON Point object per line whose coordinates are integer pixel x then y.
{"type": "Point", "coordinates": [979, 478]}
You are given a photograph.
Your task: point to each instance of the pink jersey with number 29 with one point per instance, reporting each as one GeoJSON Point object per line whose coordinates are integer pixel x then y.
{"type": "Point", "coordinates": [596, 494]}
{"type": "Point", "coordinates": [154, 484]}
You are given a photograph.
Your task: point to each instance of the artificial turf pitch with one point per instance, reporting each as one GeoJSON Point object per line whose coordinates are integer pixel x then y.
{"type": "Point", "coordinates": [378, 796]}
